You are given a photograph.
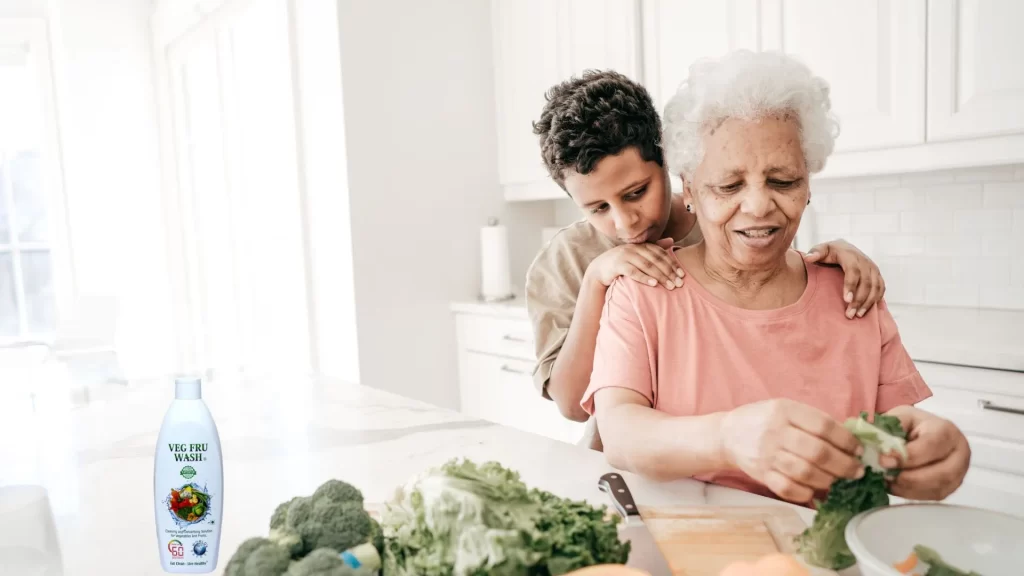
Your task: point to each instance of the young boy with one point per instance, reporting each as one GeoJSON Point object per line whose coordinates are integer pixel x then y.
{"type": "Point", "coordinates": [600, 138]}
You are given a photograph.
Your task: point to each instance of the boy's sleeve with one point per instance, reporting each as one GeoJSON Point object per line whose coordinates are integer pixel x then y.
{"type": "Point", "coordinates": [899, 382]}
{"type": "Point", "coordinates": [623, 357]}
{"type": "Point", "coordinates": [552, 286]}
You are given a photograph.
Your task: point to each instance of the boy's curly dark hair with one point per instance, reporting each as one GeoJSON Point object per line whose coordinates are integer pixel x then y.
{"type": "Point", "coordinates": [593, 116]}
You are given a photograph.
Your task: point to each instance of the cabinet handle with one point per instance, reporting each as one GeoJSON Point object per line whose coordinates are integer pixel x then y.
{"type": "Point", "coordinates": [987, 405]}
{"type": "Point", "coordinates": [511, 370]}
{"type": "Point", "coordinates": [511, 338]}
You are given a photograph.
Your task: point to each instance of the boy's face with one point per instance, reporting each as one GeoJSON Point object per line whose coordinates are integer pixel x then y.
{"type": "Point", "coordinates": [624, 197]}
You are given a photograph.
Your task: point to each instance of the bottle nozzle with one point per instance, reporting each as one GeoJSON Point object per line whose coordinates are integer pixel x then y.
{"type": "Point", "coordinates": [188, 388]}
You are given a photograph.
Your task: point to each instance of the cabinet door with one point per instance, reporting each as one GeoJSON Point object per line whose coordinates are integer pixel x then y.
{"type": "Point", "coordinates": [975, 75]}
{"type": "Point", "coordinates": [678, 32]}
{"type": "Point", "coordinates": [526, 62]}
{"type": "Point", "coordinates": [602, 35]}
{"type": "Point", "coordinates": [501, 390]}
{"type": "Point", "coordinates": [872, 54]}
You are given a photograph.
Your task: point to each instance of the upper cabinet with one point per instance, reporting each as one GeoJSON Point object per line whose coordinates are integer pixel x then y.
{"type": "Point", "coordinates": [873, 56]}
{"type": "Point", "coordinates": [538, 43]}
{"type": "Point", "coordinates": [975, 68]}
{"type": "Point", "coordinates": [917, 84]}
{"type": "Point", "coordinates": [678, 32]}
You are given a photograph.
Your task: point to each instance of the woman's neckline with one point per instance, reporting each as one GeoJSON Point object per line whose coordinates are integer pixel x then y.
{"type": "Point", "coordinates": [792, 309]}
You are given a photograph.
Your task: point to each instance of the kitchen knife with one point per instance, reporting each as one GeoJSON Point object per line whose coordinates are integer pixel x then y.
{"type": "Point", "coordinates": [644, 552]}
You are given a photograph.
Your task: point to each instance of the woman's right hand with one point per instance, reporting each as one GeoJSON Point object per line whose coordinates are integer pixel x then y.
{"type": "Point", "coordinates": [646, 263]}
{"type": "Point", "coordinates": [792, 448]}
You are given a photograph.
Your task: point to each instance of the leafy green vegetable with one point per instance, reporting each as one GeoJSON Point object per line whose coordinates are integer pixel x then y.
{"type": "Point", "coordinates": [936, 565]}
{"type": "Point", "coordinates": [469, 519]}
{"type": "Point", "coordinates": [823, 543]}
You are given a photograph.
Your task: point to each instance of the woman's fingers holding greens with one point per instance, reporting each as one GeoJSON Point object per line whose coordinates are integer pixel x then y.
{"type": "Point", "coordinates": [802, 471]}
{"type": "Point", "coordinates": [787, 488]}
{"type": "Point", "coordinates": [822, 454]}
{"type": "Point", "coordinates": [817, 423]}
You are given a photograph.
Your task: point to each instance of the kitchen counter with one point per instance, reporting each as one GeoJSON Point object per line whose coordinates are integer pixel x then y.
{"type": "Point", "coordinates": [281, 437]}
{"type": "Point", "coordinates": [975, 337]}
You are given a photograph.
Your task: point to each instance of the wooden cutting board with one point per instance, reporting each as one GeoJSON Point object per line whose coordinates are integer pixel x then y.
{"type": "Point", "coordinates": [701, 541]}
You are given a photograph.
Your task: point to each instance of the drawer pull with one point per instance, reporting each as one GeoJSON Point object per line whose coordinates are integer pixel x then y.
{"type": "Point", "coordinates": [511, 370]}
{"type": "Point", "coordinates": [511, 338]}
{"type": "Point", "coordinates": [987, 405]}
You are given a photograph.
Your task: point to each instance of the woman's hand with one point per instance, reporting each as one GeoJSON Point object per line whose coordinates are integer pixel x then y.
{"type": "Point", "coordinates": [793, 449]}
{"type": "Point", "coordinates": [938, 456]}
{"type": "Point", "coordinates": [864, 285]}
{"type": "Point", "coordinates": [646, 263]}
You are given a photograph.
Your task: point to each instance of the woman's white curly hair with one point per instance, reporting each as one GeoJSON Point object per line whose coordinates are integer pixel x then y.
{"type": "Point", "coordinates": [747, 85]}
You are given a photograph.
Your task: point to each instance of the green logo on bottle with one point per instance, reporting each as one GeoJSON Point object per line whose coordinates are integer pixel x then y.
{"type": "Point", "coordinates": [188, 472]}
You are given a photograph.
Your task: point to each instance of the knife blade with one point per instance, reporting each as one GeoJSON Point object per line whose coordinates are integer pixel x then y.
{"type": "Point", "coordinates": [644, 552]}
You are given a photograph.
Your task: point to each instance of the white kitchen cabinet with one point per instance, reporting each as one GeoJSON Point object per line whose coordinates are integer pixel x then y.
{"type": "Point", "coordinates": [871, 53]}
{"type": "Point", "coordinates": [975, 73]}
{"type": "Point", "coordinates": [988, 407]}
{"type": "Point", "coordinates": [678, 32]}
{"type": "Point", "coordinates": [537, 44]}
{"type": "Point", "coordinates": [495, 377]}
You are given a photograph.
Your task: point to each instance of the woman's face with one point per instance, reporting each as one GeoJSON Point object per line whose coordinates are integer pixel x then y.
{"type": "Point", "coordinates": [750, 191]}
{"type": "Point", "coordinates": [624, 197]}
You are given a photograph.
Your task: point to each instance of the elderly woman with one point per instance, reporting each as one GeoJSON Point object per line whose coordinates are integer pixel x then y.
{"type": "Point", "coordinates": [742, 376]}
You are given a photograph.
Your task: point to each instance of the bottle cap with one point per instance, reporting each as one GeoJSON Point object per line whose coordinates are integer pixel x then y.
{"type": "Point", "coordinates": [188, 388]}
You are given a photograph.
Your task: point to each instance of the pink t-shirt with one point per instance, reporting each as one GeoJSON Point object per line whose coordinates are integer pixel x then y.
{"type": "Point", "coordinates": [689, 353]}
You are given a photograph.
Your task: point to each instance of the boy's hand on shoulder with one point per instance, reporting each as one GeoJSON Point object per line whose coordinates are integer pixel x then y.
{"type": "Point", "coordinates": [864, 285]}
{"type": "Point", "coordinates": [648, 264]}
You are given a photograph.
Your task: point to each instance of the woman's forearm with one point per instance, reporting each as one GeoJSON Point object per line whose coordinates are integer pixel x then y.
{"type": "Point", "coordinates": [570, 374]}
{"type": "Point", "coordinates": [640, 439]}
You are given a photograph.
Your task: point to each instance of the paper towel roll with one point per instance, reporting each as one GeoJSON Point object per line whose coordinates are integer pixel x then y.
{"type": "Point", "coordinates": [494, 266]}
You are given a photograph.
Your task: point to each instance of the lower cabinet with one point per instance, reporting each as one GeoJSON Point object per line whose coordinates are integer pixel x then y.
{"type": "Point", "coordinates": [496, 382]}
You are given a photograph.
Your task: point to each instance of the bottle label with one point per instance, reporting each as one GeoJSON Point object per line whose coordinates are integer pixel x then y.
{"type": "Point", "coordinates": [189, 505]}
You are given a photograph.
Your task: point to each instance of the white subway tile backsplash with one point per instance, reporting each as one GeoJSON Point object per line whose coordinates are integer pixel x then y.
{"type": "Point", "coordinates": [900, 245]}
{"type": "Point", "coordinates": [898, 199]}
{"type": "Point", "coordinates": [960, 293]}
{"type": "Point", "coordinates": [954, 197]}
{"type": "Point", "coordinates": [932, 222]}
{"type": "Point", "coordinates": [950, 238]}
{"type": "Point", "coordinates": [928, 269]}
{"type": "Point", "coordinates": [982, 220]}
{"type": "Point", "coordinates": [1005, 297]}
{"type": "Point", "coordinates": [987, 174]}
{"type": "Point", "coordinates": [831, 225]}
{"type": "Point", "coordinates": [875, 223]}
{"type": "Point", "coordinates": [953, 245]}
{"type": "Point", "coordinates": [998, 247]}
{"type": "Point", "coordinates": [982, 271]}
{"type": "Point", "coordinates": [872, 183]}
{"type": "Point", "coordinates": [851, 202]}
{"type": "Point", "coordinates": [1004, 195]}
{"type": "Point", "coordinates": [927, 178]}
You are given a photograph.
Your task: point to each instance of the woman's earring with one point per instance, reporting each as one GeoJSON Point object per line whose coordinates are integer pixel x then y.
{"type": "Point", "coordinates": [689, 207]}
{"type": "Point", "coordinates": [808, 201]}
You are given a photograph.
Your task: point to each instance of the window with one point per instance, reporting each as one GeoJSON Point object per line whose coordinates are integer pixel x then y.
{"type": "Point", "coordinates": [29, 185]}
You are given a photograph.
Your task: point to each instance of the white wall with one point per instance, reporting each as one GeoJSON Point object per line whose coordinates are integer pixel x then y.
{"type": "Point", "coordinates": [422, 174]}
{"type": "Point", "coordinates": [106, 107]}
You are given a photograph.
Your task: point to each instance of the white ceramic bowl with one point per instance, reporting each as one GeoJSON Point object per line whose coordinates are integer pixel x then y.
{"type": "Point", "coordinates": [990, 543]}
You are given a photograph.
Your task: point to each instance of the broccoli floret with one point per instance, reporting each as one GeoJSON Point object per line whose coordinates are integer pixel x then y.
{"type": "Point", "coordinates": [823, 543]}
{"type": "Point", "coordinates": [359, 561]}
{"type": "Point", "coordinates": [280, 515]}
{"type": "Point", "coordinates": [258, 557]}
{"type": "Point", "coordinates": [337, 491]}
{"type": "Point", "coordinates": [288, 539]}
{"type": "Point", "coordinates": [336, 525]}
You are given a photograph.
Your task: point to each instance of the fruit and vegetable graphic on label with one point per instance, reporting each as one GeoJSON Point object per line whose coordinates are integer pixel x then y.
{"type": "Point", "coordinates": [190, 503]}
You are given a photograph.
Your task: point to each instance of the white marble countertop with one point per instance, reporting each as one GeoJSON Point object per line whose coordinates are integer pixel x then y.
{"type": "Point", "coordinates": [281, 438]}
{"type": "Point", "coordinates": [974, 337]}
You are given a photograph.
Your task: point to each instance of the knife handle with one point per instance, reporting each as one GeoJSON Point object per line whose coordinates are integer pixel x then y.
{"type": "Point", "coordinates": [615, 485]}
